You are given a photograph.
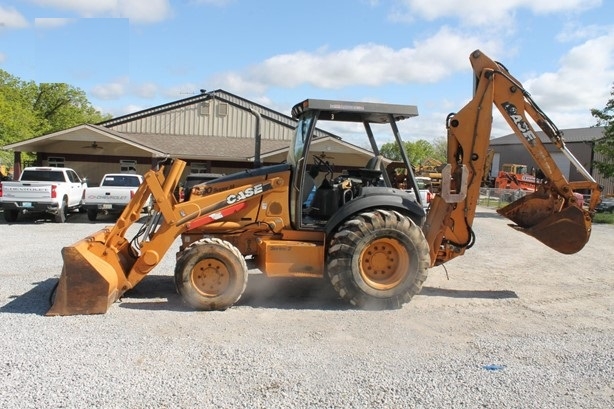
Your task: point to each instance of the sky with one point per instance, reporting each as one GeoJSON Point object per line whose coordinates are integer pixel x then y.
{"type": "Point", "coordinates": [129, 55]}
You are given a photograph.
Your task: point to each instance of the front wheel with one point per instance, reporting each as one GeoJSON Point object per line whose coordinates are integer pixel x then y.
{"type": "Point", "coordinates": [211, 274]}
{"type": "Point", "coordinates": [378, 260]}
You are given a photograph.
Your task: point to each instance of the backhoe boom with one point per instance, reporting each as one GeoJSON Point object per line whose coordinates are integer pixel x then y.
{"type": "Point", "coordinates": [550, 214]}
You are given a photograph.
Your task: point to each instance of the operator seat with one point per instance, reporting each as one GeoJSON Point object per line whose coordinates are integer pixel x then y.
{"type": "Point", "coordinates": [375, 163]}
{"type": "Point", "coordinates": [372, 171]}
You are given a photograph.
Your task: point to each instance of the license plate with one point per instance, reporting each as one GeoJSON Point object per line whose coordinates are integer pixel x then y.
{"type": "Point", "coordinates": [26, 204]}
{"type": "Point", "coordinates": [106, 206]}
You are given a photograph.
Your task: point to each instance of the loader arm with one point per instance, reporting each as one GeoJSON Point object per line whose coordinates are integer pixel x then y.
{"type": "Point", "coordinates": [99, 269]}
{"type": "Point", "coordinates": [550, 214]}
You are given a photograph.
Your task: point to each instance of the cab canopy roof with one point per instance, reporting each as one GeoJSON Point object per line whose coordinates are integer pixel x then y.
{"type": "Point", "coordinates": [347, 111]}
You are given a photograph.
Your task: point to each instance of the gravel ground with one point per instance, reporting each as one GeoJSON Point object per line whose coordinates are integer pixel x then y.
{"type": "Point", "coordinates": [516, 325]}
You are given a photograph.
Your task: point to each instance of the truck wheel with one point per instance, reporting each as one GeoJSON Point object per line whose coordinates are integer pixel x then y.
{"type": "Point", "coordinates": [10, 215]}
{"type": "Point", "coordinates": [378, 260]}
{"type": "Point", "coordinates": [92, 214]}
{"type": "Point", "coordinates": [60, 216]}
{"type": "Point", "coordinates": [211, 274]}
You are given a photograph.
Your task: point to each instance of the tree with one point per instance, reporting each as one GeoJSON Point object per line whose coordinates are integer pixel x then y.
{"type": "Point", "coordinates": [28, 110]}
{"type": "Point", "coordinates": [416, 151]}
{"type": "Point", "coordinates": [605, 146]}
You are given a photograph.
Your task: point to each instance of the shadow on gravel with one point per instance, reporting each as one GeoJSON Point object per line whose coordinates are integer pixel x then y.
{"type": "Point", "coordinates": [488, 215]}
{"type": "Point", "coordinates": [261, 292]}
{"type": "Point", "coordinates": [484, 294]}
{"type": "Point", "coordinates": [35, 301]}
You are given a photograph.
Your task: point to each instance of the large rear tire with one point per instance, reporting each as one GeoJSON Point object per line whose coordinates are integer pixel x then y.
{"type": "Point", "coordinates": [211, 274]}
{"type": "Point", "coordinates": [378, 260]}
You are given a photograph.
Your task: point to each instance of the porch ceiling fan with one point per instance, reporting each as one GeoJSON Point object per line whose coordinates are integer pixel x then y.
{"type": "Point", "coordinates": [94, 145]}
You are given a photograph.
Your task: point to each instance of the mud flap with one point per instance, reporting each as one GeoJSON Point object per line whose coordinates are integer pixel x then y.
{"type": "Point", "coordinates": [566, 231]}
{"type": "Point", "coordinates": [88, 283]}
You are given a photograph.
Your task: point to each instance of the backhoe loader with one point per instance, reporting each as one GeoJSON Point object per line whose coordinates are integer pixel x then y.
{"type": "Point", "coordinates": [327, 216]}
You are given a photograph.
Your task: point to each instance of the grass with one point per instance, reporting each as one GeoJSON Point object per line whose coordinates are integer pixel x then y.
{"type": "Point", "coordinates": [606, 218]}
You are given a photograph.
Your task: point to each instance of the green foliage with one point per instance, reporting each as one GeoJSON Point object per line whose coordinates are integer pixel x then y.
{"type": "Point", "coordinates": [605, 146]}
{"type": "Point", "coordinates": [416, 151]}
{"type": "Point", "coordinates": [605, 218]}
{"type": "Point", "coordinates": [28, 110]}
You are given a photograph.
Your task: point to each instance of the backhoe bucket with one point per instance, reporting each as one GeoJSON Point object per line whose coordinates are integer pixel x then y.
{"type": "Point", "coordinates": [566, 231]}
{"type": "Point", "coordinates": [91, 280]}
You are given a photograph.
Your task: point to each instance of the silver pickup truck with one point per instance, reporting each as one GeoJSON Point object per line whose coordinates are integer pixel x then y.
{"type": "Point", "coordinates": [54, 191]}
{"type": "Point", "coordinates": [112, 195]}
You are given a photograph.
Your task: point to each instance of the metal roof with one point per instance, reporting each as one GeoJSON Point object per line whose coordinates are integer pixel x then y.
{"type": "Point", "coordinates": [354, 111]}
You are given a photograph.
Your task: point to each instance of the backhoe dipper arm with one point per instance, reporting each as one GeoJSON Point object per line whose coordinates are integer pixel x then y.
{"type": "Point", "coordinates": [550, 214]}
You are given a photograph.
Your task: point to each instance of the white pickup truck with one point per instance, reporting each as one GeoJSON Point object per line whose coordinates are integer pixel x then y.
{"type": "Point", "coordinates": [113, 194]}
{"type": "Point", "coordinates": [425, 186]}
{"type": "Point", "coordinates": [54, 191]}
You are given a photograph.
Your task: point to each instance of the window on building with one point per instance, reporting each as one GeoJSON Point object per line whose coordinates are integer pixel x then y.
{"type": "Point", "coordinates": [55, 162]}
{"type": "Point", "coordinates": [200, 167]}
{"type": "Point", "coordinates": [127, 166]}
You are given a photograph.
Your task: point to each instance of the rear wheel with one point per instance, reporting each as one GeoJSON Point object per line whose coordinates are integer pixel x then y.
{"type": "Point", "coordinates": [92, 214]}
{"type": "Point", "coordinates": [60, 216]}
{"type": "Point", "coordinates": [378, 260]}
{"type": "Point", "coordinates": [211, 274]}
{"type": "Point", "coordinates": [10, 215]}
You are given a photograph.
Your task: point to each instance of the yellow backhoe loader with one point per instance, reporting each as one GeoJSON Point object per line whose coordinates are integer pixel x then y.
{"type": "Point", "coordinates": [309, 217]}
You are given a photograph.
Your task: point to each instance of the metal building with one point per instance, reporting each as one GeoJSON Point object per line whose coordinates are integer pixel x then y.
{"type": "Point", "coordinates": [580, 141]}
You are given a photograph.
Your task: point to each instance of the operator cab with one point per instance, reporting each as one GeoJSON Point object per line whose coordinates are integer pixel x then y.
{"type": "Point", "coordinates": [333, 178]}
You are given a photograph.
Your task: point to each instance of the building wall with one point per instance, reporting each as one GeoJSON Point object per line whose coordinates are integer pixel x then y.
{"type": "Point", "coordinates": [517, 153]}
{"type": "Point", "coordinates": [209, 118]}
{"type": "Point", "coordinates": [608, 184]}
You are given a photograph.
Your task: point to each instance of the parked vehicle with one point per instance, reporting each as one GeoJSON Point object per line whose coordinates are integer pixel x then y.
{"type": "Point", "coordinates": [606, 205]}
{"type": "Point", "coordinates": [425, 187]}
{"type": "Point", "coordinates": [54, 191]}
{"type": "Point", "coordinates": [112, 195]}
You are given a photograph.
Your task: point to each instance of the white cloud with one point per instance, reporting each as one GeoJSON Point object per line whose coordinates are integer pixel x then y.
{"type": "Point", "coordinates": [140, 11]}
{"type": "Point", "coordinates": [582, 82]}
{"type": "Point", "coordinates": [427, 61]}
{"type": "Point", "coordinates": [575, 32]}
{"type": "Point", "coordinates": [147, 90]}
{"type": "Point", "coordinates": [11, 18]}
{"type": "Point", "coordinates": [2, 58]}
{"type": "Point", "coordinates": [485, 12]}
{"type": "Point", "coordinates": [110, 91]}
{"type": "Point", "coordinates": [52, 22]}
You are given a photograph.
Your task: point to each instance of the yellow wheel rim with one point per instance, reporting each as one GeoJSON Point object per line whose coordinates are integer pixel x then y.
{"type": "Point", "coordinates": [210, 277]}
{"type": "Point", "coordinates": [384, 264]}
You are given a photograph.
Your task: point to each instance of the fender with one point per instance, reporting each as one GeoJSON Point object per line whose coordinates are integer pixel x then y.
{"type": "Point", "coordinates": [378, 198]}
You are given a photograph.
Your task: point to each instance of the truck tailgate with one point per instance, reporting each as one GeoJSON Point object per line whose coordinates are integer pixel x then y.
{"type": "Point", "coordinates": [26, 191]}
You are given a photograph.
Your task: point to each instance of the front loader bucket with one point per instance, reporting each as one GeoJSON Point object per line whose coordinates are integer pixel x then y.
{"type": "Point", "coordinates": [566, 231]}
{"type": "Point", "coordinates": [90, 281]}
